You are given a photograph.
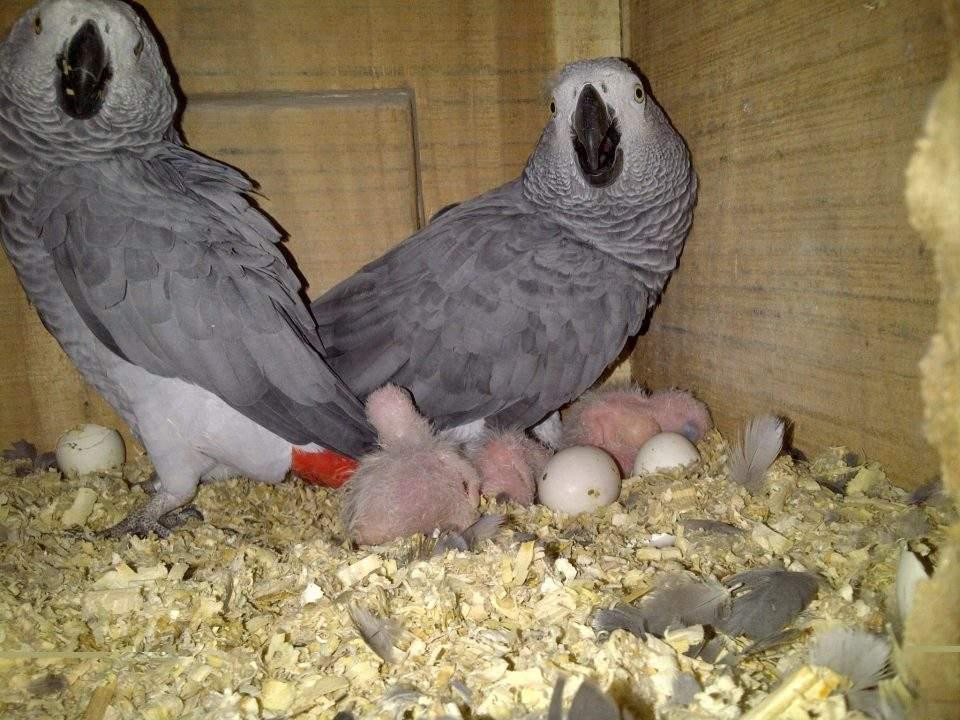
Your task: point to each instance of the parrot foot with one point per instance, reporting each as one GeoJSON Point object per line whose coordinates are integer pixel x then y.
{"type": "Point", "coordinates": [161, 514]}
{"type": "Point", "coordinates": [152, 484]}
{"type": "Point", "coordinates": [176, 518]}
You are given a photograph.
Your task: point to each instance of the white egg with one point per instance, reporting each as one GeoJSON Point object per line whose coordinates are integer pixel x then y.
{"type": "Point", "coordinates": [89, 448]}
{"type": "Point", "coordinates": [579, 479]}
{"type": "Point", "coordinates": [664, 452]}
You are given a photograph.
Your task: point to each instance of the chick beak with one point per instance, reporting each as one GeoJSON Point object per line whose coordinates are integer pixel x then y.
{"type": "Point", "coordinates": [84, 73]}
{"type": "Point", "coordinates": [596, 139]}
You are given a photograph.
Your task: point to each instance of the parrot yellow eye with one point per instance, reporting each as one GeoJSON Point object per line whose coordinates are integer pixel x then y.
{"type": "Point", "coordinates": [37, 25]}
{"type": "Point", "coordinates": [638, 93]}
{"type": "Point", "coordinates": [553, 107]}
{"type": "Point", "coordinates": [138, 48]}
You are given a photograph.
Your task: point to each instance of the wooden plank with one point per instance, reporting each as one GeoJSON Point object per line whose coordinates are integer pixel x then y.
{"type": "Point", "coordinates": [802, 288]}
{"type": "Point", "coordinates": [336, 170]}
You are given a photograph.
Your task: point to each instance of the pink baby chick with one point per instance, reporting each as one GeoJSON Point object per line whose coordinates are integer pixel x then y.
{"type": "Point", "coordinates": [414, 483]}
{"type": "Point", "coordinates": [509, 464]}
{"type": "Point", "coordinates": [621, 419]}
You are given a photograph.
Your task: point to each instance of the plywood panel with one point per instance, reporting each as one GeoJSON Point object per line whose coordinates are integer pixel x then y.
{"type": "Point", "coordinates": [336, 171]}
{"type": "Point", "coordinates": [477, 69]}
{"type": "Point", "coordinates": [802, 288]}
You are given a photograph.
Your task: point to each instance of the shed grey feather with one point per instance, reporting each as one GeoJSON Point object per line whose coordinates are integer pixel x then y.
{"type": "Point", "coordinates": [677, 601]}
{"type": "Point", "coordinates": [377, 633]}
{"type": "Point", "coordinates": [766, 600]}
{"type": "Point", "coordinates": [753, 455]}
{"type": "Point", "coordinates": [861, 657]}
{"type": "Point", "coordinates": [591, 703]}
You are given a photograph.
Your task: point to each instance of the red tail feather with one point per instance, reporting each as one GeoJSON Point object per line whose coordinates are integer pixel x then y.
{"type": "Point", "coordinates": [324, 467]}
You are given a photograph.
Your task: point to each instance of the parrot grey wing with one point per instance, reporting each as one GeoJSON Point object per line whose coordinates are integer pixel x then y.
{"type": "Point", "coordinates": [491, 311]}
{"type": "Point", "coordinates": [173, 269]}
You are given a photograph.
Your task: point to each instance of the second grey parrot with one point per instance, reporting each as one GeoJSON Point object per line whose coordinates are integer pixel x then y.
{"type": "Point", "coordinates": [508, 306]}
{"type": "Point", "coordinates": [151, 268]}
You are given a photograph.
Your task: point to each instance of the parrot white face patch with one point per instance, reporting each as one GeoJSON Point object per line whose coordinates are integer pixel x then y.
{"type": "Point", "coordinates": [94, 63]}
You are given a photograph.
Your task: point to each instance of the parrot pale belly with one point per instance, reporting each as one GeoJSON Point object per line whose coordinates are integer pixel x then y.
{"type": "Point", "coordinates": [150, 267]}
{"type": "Point", "coordinates": [508, 306]}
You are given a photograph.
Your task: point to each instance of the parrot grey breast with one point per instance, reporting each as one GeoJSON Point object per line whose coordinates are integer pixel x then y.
{"type": "Point", "coordinates": [174, 270]}
{"type": "Point", "coordinates": [491, 311]}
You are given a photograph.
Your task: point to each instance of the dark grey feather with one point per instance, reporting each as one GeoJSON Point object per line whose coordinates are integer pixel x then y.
{"type": "Point", "coordinates": [766, 600]}
{"type": "Point", "coordinates": [20, 450]}
{"type": "Point", "coordinates": [926, 492]}
{"type": "Point", "coordinates": [591, 703]}
{"type": "Point", "coordinates": [465, 541]}
{"type": "Point", "coordinates": [483, 529]}
{"type": "Point", "coordinates": [684, 689]}
{"type": "Point", "coordinates": [556, 700]}
{"type": "Point", "coordinates": [378, 634]}
{"type": "Point", "coordinates": [620, 617]}
{"type": "Point", "coordinates": [678, 601]}
{"type": "Point", "coordinates": [751, 458]}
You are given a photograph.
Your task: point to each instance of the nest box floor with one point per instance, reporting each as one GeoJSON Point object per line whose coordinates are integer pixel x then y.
{"type": "Point", "coordinates": [247, 614]}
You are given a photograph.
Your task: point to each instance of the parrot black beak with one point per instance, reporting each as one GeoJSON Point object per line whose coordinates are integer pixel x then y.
{"type": "Point", "coordinates": [596, 139]}
{"type": "Point", "coordinates": [84, 73]}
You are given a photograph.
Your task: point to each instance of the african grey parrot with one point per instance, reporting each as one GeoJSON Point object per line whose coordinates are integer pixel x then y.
{"type": "Point", "coordinates": [148, 264]}
{"type": "Point", "coordinates": [508, 306]}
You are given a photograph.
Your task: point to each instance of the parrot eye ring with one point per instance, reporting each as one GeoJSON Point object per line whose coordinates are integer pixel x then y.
{"type": "Point", "coordinates": [138, 48]}
{"type": "Point", "coordinates": [638, 92]}
{"type": "Point", "coordinates": [37, 25]}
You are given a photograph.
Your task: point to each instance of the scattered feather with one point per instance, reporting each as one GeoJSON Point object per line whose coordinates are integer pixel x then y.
{"type": "Point", "coordinates": [926, 492]}
{"type": "Point", "coordinates": [591, 703]}
{"type": "Point", "coordinates": [464, 541]}
{"type": "Point", "coordinates": [766, 600]}
{"type": "Point", "coordinates": [910, 524]}
{"type": "Point", "coordinates": [910, 573]}
{"type": "Point", "coordinates": [876, 704]}
{"type": "Point", "coordinates": [378, 634]}
{"type": "Point", "coordinates": [621, 617]}
{"type": "Point", "coordinates": [679, 601]}
{"type": "Point", "coordinates": [556, 700]}
{"type": "Point", "coordinates": [710, 526]}
{"type": "Point", "coordinates": [460, 687]}
{"type": "Point", "coordinates": [761, 443]}
{"type": "Point", "coordinates": [20, 450]}
{"type": "Point", "coordinates": [861, 657]}
{"type": "Point", "coordinates": [483, 529]}
{"type": "Point", "coordinates": [685, 687]}
{"type": "Point", "coordinates": [50, 684]}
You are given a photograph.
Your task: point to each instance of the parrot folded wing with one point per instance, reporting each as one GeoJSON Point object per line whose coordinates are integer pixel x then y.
{"type": "Point", "coordinates": [171, 268]}
{"type": "Point", "coordinates": [488, 312]}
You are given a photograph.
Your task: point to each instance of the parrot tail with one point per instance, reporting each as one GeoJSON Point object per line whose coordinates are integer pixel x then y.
{"type": "Point", "coordinates": [322, 467]}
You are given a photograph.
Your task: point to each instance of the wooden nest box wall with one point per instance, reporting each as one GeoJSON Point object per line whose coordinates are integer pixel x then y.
{"type": "Point", "coordinates": [803, 288]}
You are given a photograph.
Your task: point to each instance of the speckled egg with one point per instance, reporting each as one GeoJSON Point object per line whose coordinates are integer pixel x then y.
{"type": "Point", "coordinates": [89, 448]}
{"type": "Point", "coordinates": [665, 451]}
{"type": "Point", "coordinates": [579, 479]}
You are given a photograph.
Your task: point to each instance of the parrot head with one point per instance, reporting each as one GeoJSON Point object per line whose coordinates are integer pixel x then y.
{"type": "Point", "coordinates": [604, 134]}
{"type": "Point", "coordinates": [86, 72]}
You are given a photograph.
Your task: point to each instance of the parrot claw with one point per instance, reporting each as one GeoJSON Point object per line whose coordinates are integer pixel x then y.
{"type": "Point", "coordinates": [154, 517]}
{"type": "Point", "coordinates": [176, 518]}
